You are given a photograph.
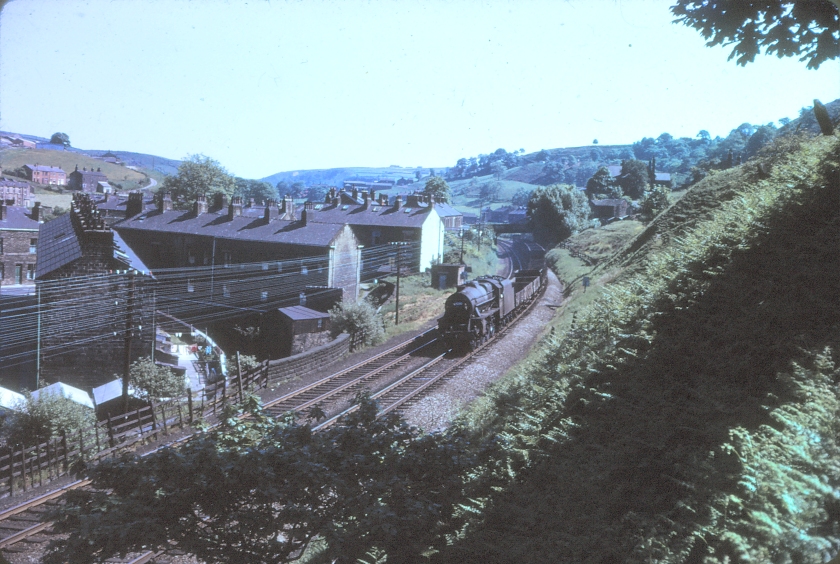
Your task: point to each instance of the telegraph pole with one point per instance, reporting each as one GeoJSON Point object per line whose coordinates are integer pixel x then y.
{"type": "Point", "coordinates": [129, 333]}
{"type": "Point", "coordinates": [462, 245]}
{"type": "Point", "coordinates": [399, 245]}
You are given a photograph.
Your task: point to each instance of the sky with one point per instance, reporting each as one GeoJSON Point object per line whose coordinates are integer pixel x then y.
{"type": "Point", "coordinates": [265, 86]}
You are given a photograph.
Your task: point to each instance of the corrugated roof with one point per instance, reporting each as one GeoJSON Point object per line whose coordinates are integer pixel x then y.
{"type": "Point", "coordinates": [245, 227]}
{"type": "Point", "coordinates": [297, 313]}
{"type": "Point", "coordinates": [63, 390]}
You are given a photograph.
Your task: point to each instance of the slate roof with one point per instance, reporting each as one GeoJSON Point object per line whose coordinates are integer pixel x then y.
{"type": "Point", "coordinates": [10, 399]}
{"type": "Point", "coordinates": [375, 215]}
{"type": "Point", "coordinates": [59, 244]}
{"type": "Point", "coordinates": [248, 227]}
{"type": "Point", "coordinates": [90, 174]}
{"type": "Point", "coordinates": [18, 218]}
{"type": "Point", "coordinates": [662, 176]}
{"type": "Point", "coordinates": [14, 183]}
{"type": "Point", "coordinates": [43, 168]}
{"type": "Point", "coordinates": [298, 312]}
{"type": "Point", "coordinates": [613, 202]}
{"type": "Point", "coordinates": [445, 210]}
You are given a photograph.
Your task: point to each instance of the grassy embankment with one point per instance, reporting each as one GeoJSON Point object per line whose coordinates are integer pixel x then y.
{"type": "Point", "coordinates": [689, 414]}
{"type": "Point", "coordinates": [117, 175]}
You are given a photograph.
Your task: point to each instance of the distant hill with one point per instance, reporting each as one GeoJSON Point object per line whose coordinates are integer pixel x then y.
{"type": "Point", "coordinates": [337, 176]}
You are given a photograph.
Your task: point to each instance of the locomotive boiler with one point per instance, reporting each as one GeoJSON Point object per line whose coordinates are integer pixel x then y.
{"type": "Point", "coordinates": [481, 307]}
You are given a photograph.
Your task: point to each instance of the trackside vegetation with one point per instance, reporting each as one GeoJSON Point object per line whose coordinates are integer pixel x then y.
{"type": "Point", "coordinates": [690, 413]}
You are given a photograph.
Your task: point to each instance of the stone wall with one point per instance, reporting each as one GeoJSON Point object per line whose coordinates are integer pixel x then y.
{"type": "Point", "coordinates": [311, 360]}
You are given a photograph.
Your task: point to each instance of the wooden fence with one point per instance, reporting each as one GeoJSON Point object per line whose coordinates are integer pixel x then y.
{"type": "Point", "coordinates": [573, 251]}
{"type": "Point", "coordinates": [25, 467]}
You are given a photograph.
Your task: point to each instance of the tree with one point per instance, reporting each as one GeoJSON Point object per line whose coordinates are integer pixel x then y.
{"type": "Point", "coordinates": [521, 197]}
{"type": "Point", "coordinates": [36, 420]}
{"type": "Point", "coordinates": [154, 382]}
{"type": "Point", "coordinates": [357, 318]}
{"type": "Point", "coordinates": [779, 27]}
{"type": "Point", "coordinates": [260, 490]}
{"type": "Point", "coordinates": [436, 186]}
{"type": "Point", "coordinates": [654, 202]}
{"type": "Point", "coordinates": [634, 178]}
{"type": "Point", "coordinates": [490, 190]}
{"type": "Point", "coordinates": [557, 211]}
{"type": "Point", "coordinates": [256, 189]}
{"type": "Point", "coordinates": [602, 184]}
{"type": "Point", "coordinates": [198, 175]}
{"type": "Point", "coordinates": [498, 169]}
{"type": "Point", "coordinates": [60, 139]}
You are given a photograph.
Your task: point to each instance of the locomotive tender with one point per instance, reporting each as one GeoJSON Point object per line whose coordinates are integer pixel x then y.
{"type": "Point", "coordinates": [479, 308]}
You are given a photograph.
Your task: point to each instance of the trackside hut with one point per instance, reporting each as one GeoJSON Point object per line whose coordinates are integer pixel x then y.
{"type": "Point", "coordinates": [223, 237]}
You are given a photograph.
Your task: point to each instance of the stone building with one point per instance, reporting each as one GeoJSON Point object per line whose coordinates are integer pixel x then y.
{"type": "Point", "coordinates": [86, 180]}
{"type": "Point", "coordinates": [227, 237]}
{"type": "Point", "coordinates": [93, 296]}
{"type": "Point", "coordinates": [41, 174]}
{"type": "Point", "coordinates": [18, 244]}
{"type": "Point", "coordinates": [16, 193]}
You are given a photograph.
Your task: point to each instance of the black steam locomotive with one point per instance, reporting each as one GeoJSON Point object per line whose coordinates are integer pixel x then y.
{"type": "Point", "coordinates": [479, 308]}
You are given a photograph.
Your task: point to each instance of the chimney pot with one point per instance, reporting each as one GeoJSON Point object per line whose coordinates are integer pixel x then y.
{"type": "Point", "coordinates": [200, 205]}
{"type": "Point", "coordinates": [398, 202]}
{"type": "Point", "coordinates": [235, 208]}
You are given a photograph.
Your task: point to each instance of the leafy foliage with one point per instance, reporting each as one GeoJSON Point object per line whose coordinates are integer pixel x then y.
{"type": "Point", "coordinates": [601, 185]}
{"type": "Point", "coordinates": [60, 139]}
{"type": "Point", "coordinates": [260, 191]}
{"type": "Point", "coordinates": [198, 175]}
{"type": "Point", "coordinates": [655, 200]}
{"type": "Point", "coordinates": [634, 178]}
{"type": "Point", "coordinates": [259, 490]}
{"type": "Point", "coordinates": [556, 212]}
{"type": "Point", "coordinates": [355, 318]}
{"type": "Point", "coordinates": [37, 420]}
{"type": "Point", "coordinates": [521, 197]}
{"type": "Point", "coordinates": [153, 381]}
{"type": "Point", "coordinates": [689, 415]}
{"type": "Point", "coordinates": [781, 27]}
{"type": "Point", "coordinates": [436, 186]}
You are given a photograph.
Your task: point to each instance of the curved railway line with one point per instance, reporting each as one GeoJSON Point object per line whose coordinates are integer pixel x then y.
{"type": "Point", "coordinates": [401, 372]}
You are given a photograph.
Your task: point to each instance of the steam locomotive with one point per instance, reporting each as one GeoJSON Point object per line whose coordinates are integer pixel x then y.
{"type": "Point", "coordinates": [481, 307]}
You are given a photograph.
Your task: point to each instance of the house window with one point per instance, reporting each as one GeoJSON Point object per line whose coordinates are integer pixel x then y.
{"type": "Point", "coordinates": [18, 274]}
{"type": "Point", "coordinates": [30, 272]}
{"type": "Point", "coordinates": [279, 266]}
{"type": "Point", "coordinates": [225, 291]}
{"type": "Point", "coordinates": [226, 259]}
{"type": "Point", "coordinates": [320, 323]}
{"type": "Point", "coordinates": [304, 270]}
{"type": "Point", "coordinates": [190, 286]}
{"type": "Point", "coordinates": [33, 246]}
{"type": "Point", "coordinates": [1, 246]}
{"type": "Point", "coordinates": [264, 296]}
{"type": "Point", "coordinates": [265, 266]}
{"type": "Point", "coordinates": [375, 237]}
{"type": "Point", "coordinates": [2, 271]}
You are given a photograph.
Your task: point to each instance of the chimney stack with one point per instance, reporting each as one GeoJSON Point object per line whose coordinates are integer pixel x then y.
{"type": "Point", "coordinates": [219, 202]}
{"type": "Point", "coordinates": [200, 205]}
{"type": "Point", "coordinates": [383, 199]}
{"type": "Point", "coordinates": [270, 211]}
{"type": "Point", "coordinates": [3, 210]}
{"type": "Point", "coordinates": [165, 203]}
{"type": "Point", "coordinates": [307, 213]}
{"type": "Point", "coordinates": [398, 202]}
{"type": "Point", "coordinates": [287, 212]}
{"type": "Point", "coordinates": [355, 194]}
{"type": "Point", "coordinates": [431, 200]}
{"type": "Point", "coordinates": [134, 205]}
{"type": "Point", "coordinates": [37, 212]}
{"type": "Point", "coordinates": [372, 195]}
{"type": "Point", "coordinates": [235, 208]}
{"type": "Point", "coordinates": [366, 197]}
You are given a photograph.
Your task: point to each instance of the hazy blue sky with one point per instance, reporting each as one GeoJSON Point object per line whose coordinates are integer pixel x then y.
{"type": "Point", "coordinates": [265, 86]}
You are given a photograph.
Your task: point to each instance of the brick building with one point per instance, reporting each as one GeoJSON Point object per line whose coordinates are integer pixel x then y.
{"type": "Point", "coordinates": [41, 174]}
{"type": "Point", "coordinates": [86, 180]}
{"type": "Point", "coordinates": [87, 277]}
{"type": "Point", "coordinates": [607, 209]}
{"type": "Point", "coordinates": [18, 244]}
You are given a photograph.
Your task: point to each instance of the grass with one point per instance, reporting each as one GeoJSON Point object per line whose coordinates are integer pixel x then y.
{"type": "Point", "coordinates": [687, 414]}
{"type": "Point", "coordinates": [419, 305]}
{"type": "Point", "coordinates": [129, 179]}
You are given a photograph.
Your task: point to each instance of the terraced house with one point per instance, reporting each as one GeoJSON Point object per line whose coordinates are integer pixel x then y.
{"type": "Point", "coordinates": [42, 174]}
{"type": "Point", "coordinates": [18, 244]}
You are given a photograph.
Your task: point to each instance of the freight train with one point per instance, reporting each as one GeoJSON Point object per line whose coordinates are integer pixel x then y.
{"type": "Point", "coordinates": [481, 307]}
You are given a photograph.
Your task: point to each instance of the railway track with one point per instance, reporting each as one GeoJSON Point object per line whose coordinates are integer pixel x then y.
{"type": "Point", "coordinates": [24, 522]}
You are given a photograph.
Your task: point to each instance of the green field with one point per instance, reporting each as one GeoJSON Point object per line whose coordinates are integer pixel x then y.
{"type": "Point", "coordinates": [121, 178]}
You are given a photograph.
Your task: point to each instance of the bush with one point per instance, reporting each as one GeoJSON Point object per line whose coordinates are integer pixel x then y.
{"type": "Point", "coordinates": [155, 382]}
{"type": "Point", "coordinates": [37, 420]}
{"type": "Point", "coordinates": [357, 318]}
{"type": "Point", "coordinates": [246, 362]}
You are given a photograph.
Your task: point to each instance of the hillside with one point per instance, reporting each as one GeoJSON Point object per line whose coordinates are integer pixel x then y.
{"type": "Point", "coordinates": [120, 177]}
{"type": "Point", "coordinates": [337, 176]}
{"type": "Point", "coordinates": [685, 408]}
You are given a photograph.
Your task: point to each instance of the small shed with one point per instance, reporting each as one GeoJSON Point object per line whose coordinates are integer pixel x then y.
{"type": "Point", "coordinates": [447, 275]}
{"type": "Point", "coordinates": [108, 399]}
{"type": "Point", "coordinates": [295, 329]}
{"type": "Point", "coordinates": [10, 401]}
{"type": "Point", "coordinates": [65, 391]}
